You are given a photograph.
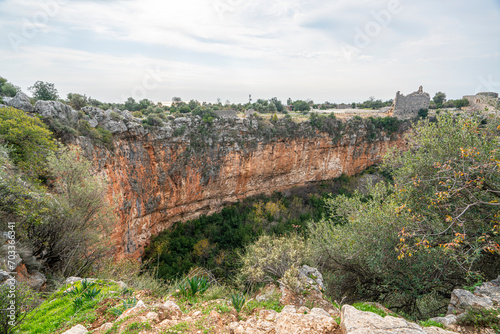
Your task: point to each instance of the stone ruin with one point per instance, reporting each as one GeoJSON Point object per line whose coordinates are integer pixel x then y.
{"type": "Point", "coordinates": [482, 101]}
{"type": "Point", "coordinates": [407, 107]}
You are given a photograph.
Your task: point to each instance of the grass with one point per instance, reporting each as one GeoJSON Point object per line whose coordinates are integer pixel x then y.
{"type": "Point", "coordinates": [55, 314]}
{"type": "Point", "coordinates": [431, 323]}
{"type": "Point", "coordinates": [369, 308]}
{"type": "Point", "coordinates": [181, 327]}
{"type": "Point", "coordinates": [272, 303]}
{"type": "Point", "coordinates": [136, 327]}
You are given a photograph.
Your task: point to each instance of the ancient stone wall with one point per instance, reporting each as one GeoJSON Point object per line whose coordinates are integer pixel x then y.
{"type": "Point", "coordinates": [481, 101]}
{"type": "Point", "coordinates": [407, 107]}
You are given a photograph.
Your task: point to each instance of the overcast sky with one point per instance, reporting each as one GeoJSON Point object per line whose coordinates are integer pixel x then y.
{"type": "Point", "coordinates": [324, 50]}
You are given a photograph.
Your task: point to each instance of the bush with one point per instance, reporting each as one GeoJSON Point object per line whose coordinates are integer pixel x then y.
{"type": "Point", "coordinates": [270, 259]}
{"type": "Point", "coordinates": [70, 236]}
{"type": "Point", "coordinates": [10, 90]}
{"type": "Point", "coordinates": [17, 302]}
{"type": "Point", "coordinates": [481, 318]}
{"type": "Point", "coordinates": [29, 139]}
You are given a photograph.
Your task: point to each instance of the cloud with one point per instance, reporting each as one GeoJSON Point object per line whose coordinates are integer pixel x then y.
{"type": "Point", "coordinates": [229, 48]}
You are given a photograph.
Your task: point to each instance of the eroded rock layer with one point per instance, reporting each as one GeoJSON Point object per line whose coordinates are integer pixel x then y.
{"type": "Point", "coordinates": [158, 177]}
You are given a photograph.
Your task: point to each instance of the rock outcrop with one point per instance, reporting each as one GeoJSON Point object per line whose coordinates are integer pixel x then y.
{"type": "Point", "coordinates": [158, 178]}
{"type": "Point", "coordinates": [188, 166]}
{"type": "Point", "coordinates": [20, 101]}
{"type": "Point", "coordinates": [360, 322]}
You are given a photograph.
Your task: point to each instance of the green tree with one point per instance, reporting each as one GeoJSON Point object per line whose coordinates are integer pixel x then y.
{"type": "Point", "coordinates": [439, 98]}
{"type": "Point", "coordinates": [77, 101]}
{"type": "Point", "coordinates": [193, 104]}
{"type": "Point", "coordinates": [44, 91]}
{"type": "Point", "coordinates": [29, 139]}
{"type": "Point", "coordinates": [9, 89]}
{"type": "Point", "coordinates": [300, 105]}
{"type": "Point", "coordinates": [277, 103]}
{"type": "Point", "coordinates": [449, 178]}
{"type": "Point", "coordinates": [131, 104]}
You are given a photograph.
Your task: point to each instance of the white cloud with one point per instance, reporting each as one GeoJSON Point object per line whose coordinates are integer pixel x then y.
{"type": "Point", "coordinates": [229, 48]}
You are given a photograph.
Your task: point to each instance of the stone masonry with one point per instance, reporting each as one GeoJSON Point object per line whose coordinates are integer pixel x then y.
{"type": "Point", "coordinates": [407, 107]}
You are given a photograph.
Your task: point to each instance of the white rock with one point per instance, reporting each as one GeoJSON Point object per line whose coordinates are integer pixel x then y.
{"type": "Point", "coordinates": [78, 329]}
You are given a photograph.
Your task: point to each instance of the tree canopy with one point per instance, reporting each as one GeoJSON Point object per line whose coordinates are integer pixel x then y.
{"type": "Point", "coordinates": [44, 91]}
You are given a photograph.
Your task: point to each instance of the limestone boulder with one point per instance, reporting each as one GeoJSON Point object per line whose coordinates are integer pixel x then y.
{"type": "Point", "coordinates": [36, 280]}
{"type": "Point", "coordinates": [489, 290]}
{"type": "Point", "coordinates": [78, 329]}
{"type": "Point", "coordinates": [20, 101]}
{"type": "Point", "coordinates": [312, 277]}
{"type": "Point", "coordinates": [461, 300]}
{"type": "Point", "coordinates": [360, 322]}
{"type": "Point", "coordinates": [449, 320]}
{"type": "Point", "coordinates": [289, 321]}
{"type": "Point", "coordinates": [56, 110]}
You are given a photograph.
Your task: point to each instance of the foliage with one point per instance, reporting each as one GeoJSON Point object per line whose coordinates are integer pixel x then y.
{"type": "Point", "coordinates": [127, 304]}
{"type": "Point", "coordinates": [29, 139]}
{"type": "Point", "coordinates": [238, 300]}
{"type": "Point", "coordinates": [213, 241]}
{"type": "Point", "coordinates": [431, 323]}
{"type": "Point", "coordinates": [422, 113]}
{"type": "Point", "coordinates": [300, 105]}
{"type": "Point", "coordinates": [153, 120]}
{"type": "Point", "coordinates": [8, 89]}
{"type": "Point", "coordinates": [270, 258]}
{"type": "Point", "coordinates": [17, 301]}
{"type": "Point", "coordinates": [44, 91]}
{"type": "Point", "coordinates": [440, 215]}
{"type": "Point", "coordinates": [439, 98]}
{"type": "Point", "coordinates": [65, 230]}
{"type": "Point", "coordinates": [369, 308]}
{"type": "Point", "coordinates": [449, 178]}
{"type": "Point", "coordinates": [480, 318]}
{"type": "Point", "coordinates": [194, 285]}
{"type": "Point", "coordinates": [77, 101]}
{"type": "Point", "coordinates": [54, 315]}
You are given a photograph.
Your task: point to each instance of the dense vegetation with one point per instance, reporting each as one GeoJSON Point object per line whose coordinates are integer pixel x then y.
{"type": "Point", "coordinates": [214, 241]}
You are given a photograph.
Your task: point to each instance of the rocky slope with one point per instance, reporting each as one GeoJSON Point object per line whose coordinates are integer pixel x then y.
{"type": "Point", "coordinates": [190, 166]}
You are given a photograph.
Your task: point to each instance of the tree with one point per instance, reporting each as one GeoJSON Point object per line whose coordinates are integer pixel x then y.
{"type": "Point", "coordinates": [439, 98]}
{"type": "Point", "coordinates": [9, 89]}
{"type": "Point", "coordinates": [44, 91]}
{"type": "Point", "coordinates": [289, 101]}
{"type": "Point", "coordinates": [300, 105]}
{"type": "Point", "coordinates": [450, 179]}
{"type": "Point", "coordinates": [176, 100]}
{"type": "Point", "coordinates": [193, 104]}
{"type": "Point", "coordinates": [277, 103]}
{"type": "Point", "coordinates": [131, 105]}
{"type": "Point", "coordinates": [77, 101]}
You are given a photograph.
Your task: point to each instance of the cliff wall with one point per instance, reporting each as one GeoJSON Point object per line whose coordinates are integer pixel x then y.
{"type": "Point", "coordinates": [157, 178]}
{"type": "Point", "coordinates": [184, 167]}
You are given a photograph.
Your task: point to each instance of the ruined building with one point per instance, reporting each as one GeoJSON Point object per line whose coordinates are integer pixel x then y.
{"type": "Point", "coordinates": [482, 101]}
{"type": "Point", "coordinates": [406, 107]}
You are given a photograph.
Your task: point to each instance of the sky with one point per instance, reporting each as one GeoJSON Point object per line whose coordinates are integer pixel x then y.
{"type": "Point", "coordinates": [323, 50]}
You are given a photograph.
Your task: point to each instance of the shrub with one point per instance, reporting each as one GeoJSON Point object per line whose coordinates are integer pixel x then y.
{"type": "Point", "coordinates": [238, 300]}
{"type": "Point", "coordinates": [17, 302]}
{"type": "Point", "coordinates": [270, 258]}
{"type": "Point", "coordinates": [29, 139]}
{"type": "Point", "coordinates": [9, 89]}
{"type": "Point", "coordinates": [70, 238]}
{"type": "Point", "coordinates": [481, 318]}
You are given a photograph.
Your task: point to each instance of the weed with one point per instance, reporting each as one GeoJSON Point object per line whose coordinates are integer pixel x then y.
{"type": "Point", "coordinates": [431, 323]}
{"type": "Point", "coordinates": [369, 308]}
{"type": "Point", "coordinates": [480, 317]}
{"type": "Point", "coordinates": [238, 300]}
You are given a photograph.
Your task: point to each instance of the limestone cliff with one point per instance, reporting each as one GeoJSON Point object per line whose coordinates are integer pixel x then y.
{"type": "Point", "coordinates": [157, 178]}
{"type": "Point", "coordinates": [188, 166]}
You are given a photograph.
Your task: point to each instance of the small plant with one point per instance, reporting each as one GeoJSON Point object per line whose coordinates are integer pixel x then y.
{"type": "Point", "coordinates": [480, 317]}
{"type": "Point", "coordinates": [238, 300]}
{"type": "Point", "coordinates": [90, 294]}
{"type": "Point", "coordinates": [193, 286]}
{"type": "Point", "coordinates": [137, 327]}
{"type": "Point", "coordinates": [431, 323]}
{"type": "Point", "coordinates": [77, 303]}
{"type": "Point", "coordinates": [369, 308]}
{"type": "Point", "coordinates": [127, 303]}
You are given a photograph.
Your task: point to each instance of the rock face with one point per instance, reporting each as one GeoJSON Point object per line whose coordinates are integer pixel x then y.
{"type": "Point", "coordinates": [290, 321]}
{"type": "Point", "coordinates": [461, 300]}
{"type": "Point", "coordinates": [360, 322]}
{"type": "Point", "coordinates": [186, 168]}
{"type": "Point", "coordinates": [21, 101]}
